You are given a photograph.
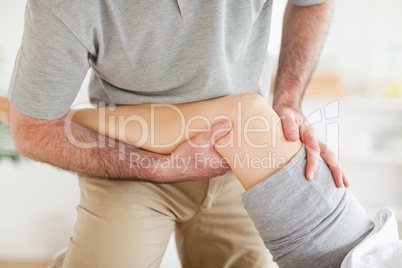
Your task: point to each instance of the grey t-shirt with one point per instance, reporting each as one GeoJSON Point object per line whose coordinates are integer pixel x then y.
{"type": "Point", "coordinates": [159, 51]}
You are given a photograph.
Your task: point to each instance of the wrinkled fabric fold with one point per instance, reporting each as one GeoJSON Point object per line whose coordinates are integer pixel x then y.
{"type": "Point", "coordinates": [306, 223]}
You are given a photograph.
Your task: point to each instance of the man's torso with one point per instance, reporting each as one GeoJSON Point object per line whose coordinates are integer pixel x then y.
{"type": "Point", "coordinates": [170, 51]}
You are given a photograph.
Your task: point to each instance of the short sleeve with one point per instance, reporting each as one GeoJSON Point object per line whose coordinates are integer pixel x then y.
{"type": "Point", "coordinates": [305, 2]}
{"type": "Point", "coordinates": [50, 67]}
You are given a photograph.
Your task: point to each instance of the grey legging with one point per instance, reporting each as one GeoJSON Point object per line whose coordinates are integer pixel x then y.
{"type": "Point", "coordinates": [306, 224]}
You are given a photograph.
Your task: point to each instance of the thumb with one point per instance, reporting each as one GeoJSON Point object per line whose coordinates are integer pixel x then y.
{"type": "Point", "coordinates": [218, 131]}
{"type": "Point", "coordinates": [212, 134]}
{"type": "Point", "coordinates": [290, 128]}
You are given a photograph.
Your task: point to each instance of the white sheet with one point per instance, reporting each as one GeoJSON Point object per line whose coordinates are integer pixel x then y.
{"type": "Point", "coordinates": [382, 248]}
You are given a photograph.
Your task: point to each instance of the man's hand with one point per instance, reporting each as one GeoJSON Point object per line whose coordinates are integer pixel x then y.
{"type": "Point", "coordinates": [304, 31]}
{"type": "Point", "coordinates": [197, 159]}
{"type": "Point", "coordinates": [295, 126]}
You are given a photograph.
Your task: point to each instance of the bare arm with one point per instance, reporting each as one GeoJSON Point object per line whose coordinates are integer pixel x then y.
{"type": "Point", "coordinates": [304, 32]}
{"type": "Point", "coordinates": [46, 141]}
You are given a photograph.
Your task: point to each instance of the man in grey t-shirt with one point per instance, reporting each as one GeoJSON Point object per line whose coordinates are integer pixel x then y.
{"type": "Point", "coordinates": [169, 51]}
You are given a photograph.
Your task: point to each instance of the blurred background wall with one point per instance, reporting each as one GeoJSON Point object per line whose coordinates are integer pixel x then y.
{"type": "Point", "coordinates": [354, 101]}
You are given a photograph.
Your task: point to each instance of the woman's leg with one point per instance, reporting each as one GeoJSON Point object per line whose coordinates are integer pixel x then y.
{"type": "Point", "coordinates": [306, 223]}
{"type": "Point", "coordinates": [302, 223]}
{"type": "Point", "coordinates": [4, 109]}
{"type": "Point", "coordinates": [255, 145]}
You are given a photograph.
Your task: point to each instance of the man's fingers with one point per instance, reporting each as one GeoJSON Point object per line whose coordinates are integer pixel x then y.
{"type": "Point", "coordinates": [291, 119]}
{"type": "Point", "coordinates": [345, 180]}
{"type": "Point", "coordinates": [336, 170]}
{"type": "Point", "coordinates": [219, 130]}
{"type": "Point", "coordinates": [329, 156]}
{"type": "Point", "coordinates": [290, 127]}
{"type": "Point", "coordinates": [337, 173]}
{"type": "Point", "coordinates": [210, 136]}
{"type": "Point", "coordinates": [312, 165]}
{"type": "Point", "coordinates": [313, 152]}
{"type": "Point", "coordinates": [313, 156]}
{"type": "Point", "coordinates": [332, 160]}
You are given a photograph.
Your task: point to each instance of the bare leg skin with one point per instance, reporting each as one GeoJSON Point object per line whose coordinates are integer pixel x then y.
{"type": "Point", "coordinates": [4, 109]}
{"type": "Point", "coordinates": [255, 149]}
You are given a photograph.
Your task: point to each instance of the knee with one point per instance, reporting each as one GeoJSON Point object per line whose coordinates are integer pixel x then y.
{"type": "Point", "coordinates": [251, 98]}
{"type": "Point", "coordinates": [249, 111]}
{"type": "Point", "coordinates": [253, 104]}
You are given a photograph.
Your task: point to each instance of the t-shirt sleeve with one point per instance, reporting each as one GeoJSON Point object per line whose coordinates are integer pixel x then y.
{"type": "Point", "coordinates": [305, 2]}
{"type": "Point", "coordinates": [50, 67]}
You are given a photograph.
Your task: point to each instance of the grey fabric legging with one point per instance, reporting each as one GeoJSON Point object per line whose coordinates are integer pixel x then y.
{"type": "Point", "coordinates": [303, 223]}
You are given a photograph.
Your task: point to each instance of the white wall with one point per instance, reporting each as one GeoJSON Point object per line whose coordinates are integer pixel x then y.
{"type": "Point", "coordinates": [364, 45]}
{"type": "Point", "coordinates": [37, 208]}
{"type": "Point", "coordinates": [11, 27]}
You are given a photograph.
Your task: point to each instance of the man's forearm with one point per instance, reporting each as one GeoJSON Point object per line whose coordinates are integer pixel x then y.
{"type": "Point", "coordinates": [304, 31]}
{"type": "Point", "coordinates": [83, 151]}
{"type": "Point", "coordinates": [67, 145]}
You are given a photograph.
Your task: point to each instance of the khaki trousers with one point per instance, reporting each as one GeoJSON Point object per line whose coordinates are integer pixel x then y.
{"type": "Point", "coordinates": [128, 224]}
